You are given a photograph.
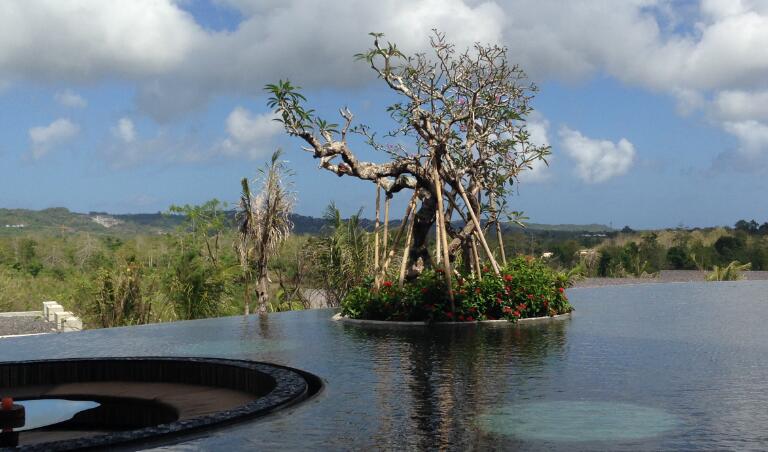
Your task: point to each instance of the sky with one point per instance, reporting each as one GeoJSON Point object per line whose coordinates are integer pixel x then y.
{"type": "Point", "coordinates": [656, 110]}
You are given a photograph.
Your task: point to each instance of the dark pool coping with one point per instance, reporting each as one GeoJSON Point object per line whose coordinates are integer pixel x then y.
{"type": "Point", "coordinates": [291, 386]}
{"type": "Point", "coordinates": [340, 318]}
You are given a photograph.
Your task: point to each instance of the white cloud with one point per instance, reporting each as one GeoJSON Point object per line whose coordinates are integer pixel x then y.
{"type": "Point", "coordinates": [249, 134]}
{"type": "Point", "coordinates": [45, 138]}
{"type": "Point", "coordinates": [752, 136]}
{"type": "Point", "coordinates": [90, 39]}
{"type": "Point", "coordinates": [69, 98]}
{"type": "Point", "coordinates": [125, 130]}
{"type": "Point", "coordinates": [597, 160]}
{"type": "Point", "coordinates": [538, 128]}
{"type": "Point", "coordinates": [742, 105]}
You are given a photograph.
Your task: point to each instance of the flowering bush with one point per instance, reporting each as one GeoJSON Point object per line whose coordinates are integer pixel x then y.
{"type": "Point", "coordinates": [526, 288]}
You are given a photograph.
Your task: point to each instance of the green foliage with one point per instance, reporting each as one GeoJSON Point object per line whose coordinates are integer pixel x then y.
{"type": "Point", "coordinates": [117, 299]}
{"type": "Point", "coordinates": [679, 259]}
{"type": "Point", "coordinates": [196, 288]}
{"type": "Point", "coordinates": [342, 255]}
{"type": "Point", "coordinates": [731, 272]}
{"type": "Point", "coordinates": [526, 288]}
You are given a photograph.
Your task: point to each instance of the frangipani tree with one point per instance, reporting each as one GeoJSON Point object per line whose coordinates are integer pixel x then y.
{"type": "Point", "coordinates": [464, 115]}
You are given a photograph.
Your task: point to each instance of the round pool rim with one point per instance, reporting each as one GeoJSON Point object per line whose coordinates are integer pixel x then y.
{"type": "Point", "coordinates": [291, 386]}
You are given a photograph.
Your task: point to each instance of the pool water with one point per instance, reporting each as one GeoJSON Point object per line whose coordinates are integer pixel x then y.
{"type": "Point", "coordinates": [673, 366]}
{"type": "Point", "coordinates": [45, 412]}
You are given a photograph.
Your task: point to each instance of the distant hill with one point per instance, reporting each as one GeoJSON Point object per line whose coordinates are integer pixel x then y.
{"type": "Point", "coordinates": [60, 219]}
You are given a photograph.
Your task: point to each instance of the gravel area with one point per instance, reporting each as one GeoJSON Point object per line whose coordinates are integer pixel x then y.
{"type": "Point", "coordinates": [10, 326]}
{"type": "Point", "coordinates": [665, 276]}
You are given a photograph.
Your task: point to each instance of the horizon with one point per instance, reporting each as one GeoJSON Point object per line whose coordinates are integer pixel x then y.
{"type": "Point", "coordinates": [656, 121]}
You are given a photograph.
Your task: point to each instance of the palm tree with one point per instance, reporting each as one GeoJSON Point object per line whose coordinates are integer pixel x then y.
{"type": "Point", "coordinates": [731, 272]}
{"type": "Point", "coordinates": [263, 225]}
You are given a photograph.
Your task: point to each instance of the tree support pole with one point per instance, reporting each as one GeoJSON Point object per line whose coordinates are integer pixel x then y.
{"type": "Point", "coordinates": [441, 224]}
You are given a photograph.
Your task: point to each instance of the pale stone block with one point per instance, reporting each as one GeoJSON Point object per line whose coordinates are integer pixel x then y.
{"type": "Point", "coordinates": [60, 316]}
{"type": "Point", "coordinates": [46, 305]}
{"type": "Point", "coordinates": [72, 324]}
{"type": "Point", "coordinates": [52, 310]}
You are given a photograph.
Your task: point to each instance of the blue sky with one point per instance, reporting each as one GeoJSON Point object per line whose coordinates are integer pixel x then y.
{"type": "Point", "coordinates": [655, 110]}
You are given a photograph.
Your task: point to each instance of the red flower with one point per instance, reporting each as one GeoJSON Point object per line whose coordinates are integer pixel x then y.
{"type": "Point", "coordinates": [470, 319]}
{"type": "Point", "coordinates": [462, 291]}
{"type": "Point", "coordinates": [485, 270]}
{"type": "Point", "coordinates": [449, 314]}
{"type": "Point", "coordinates": [516, 313]}
{"type": "Point", "coordinates": [387, 284]}
{"type": "Point", "coordinates": [440, 270]}
{"type": "Point", "coordinates": [424, 290]}
{"type": "Point", "coordinates": [530, 296]}
{"type": "Point", "coordinates": [498, 301]}
{"type": "Point", "coordinates": [461, 318]}
{"type": "Point", "coordinates": [507, 289]}
{"type": "Point", "coordinates": [491, 318]}
{"type": "Point", "coordinates": [477, 290]}
{"type": "Point", "coordinates": [560, 289]}
{"type": "Point", "coordinates": [508, 278]}
{"type": "Point", "coordinates": [507, 309]}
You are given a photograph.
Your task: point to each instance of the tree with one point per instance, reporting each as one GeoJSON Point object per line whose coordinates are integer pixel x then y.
{"type": "Point", "coordinates": [263, 224]}
{"type": "Point", "coordinates": [205, 225]}
{"type": "Point", "coordinates": [462, 116]}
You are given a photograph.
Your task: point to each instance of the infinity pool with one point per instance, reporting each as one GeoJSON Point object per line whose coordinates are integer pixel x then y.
{"type": "Point", "coordinates": [675, 366]}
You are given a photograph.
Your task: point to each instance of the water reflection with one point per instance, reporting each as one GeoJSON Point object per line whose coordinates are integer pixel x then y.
{"type": "Point", "coordinates": [450, 371]}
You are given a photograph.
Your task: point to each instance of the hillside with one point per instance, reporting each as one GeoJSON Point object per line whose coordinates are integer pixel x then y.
{"type": "Point", "coordinates": [60, 219]}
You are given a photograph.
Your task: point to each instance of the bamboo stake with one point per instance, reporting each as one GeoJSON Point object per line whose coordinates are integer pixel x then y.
{"type": "Point", "coordinates": [443, 234]}
{"type": "Point", "coordinates": [399, 234]}
{"type": "Point", "coordinates": [406, 249]}
{"type": "Point", "coordinates": [385, 241]}
{"type": "Point", "coordinates": [476, 222]}
{"type": "Point", "coordinates": [478, 229]}
{"type": "Point", "coordinates": [476, 258]}
{"type": "Point", "coordinates": [438, 241]}
{"type": "Point", "coordinates": [376, 228]}
{"type": "Point", "coordinates": [498, 232]}
{"type": "Point", "coordinates": [501, 243]}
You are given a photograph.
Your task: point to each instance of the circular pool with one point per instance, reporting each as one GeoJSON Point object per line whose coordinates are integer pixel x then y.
{"type": "Point", "coordinates": [98, 402]}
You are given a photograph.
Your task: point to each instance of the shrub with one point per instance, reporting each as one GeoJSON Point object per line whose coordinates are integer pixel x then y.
{"type": "Point", "coordinates": [526, 288]}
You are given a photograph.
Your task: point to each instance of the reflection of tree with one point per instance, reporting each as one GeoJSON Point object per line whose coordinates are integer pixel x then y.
{"type": "Point", "coordinates": [442, 377]}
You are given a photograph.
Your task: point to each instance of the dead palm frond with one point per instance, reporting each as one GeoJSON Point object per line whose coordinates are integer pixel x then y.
{"type": "Point", "coordinates": [263, 224]}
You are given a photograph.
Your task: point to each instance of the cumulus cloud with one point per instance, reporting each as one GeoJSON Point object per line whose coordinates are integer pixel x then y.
{"type": "Point", "coordinates": [709, 53]}
{"type": "Point", "coordinates": [538, 128]}
{"type": "Point", "coordinates": [249, 134]}
{"type": "Point", "coordinates": [597, 160]}
{"type": "Point", "coordinates": [45, 138]}
{"type": "Point", "coordinates": [125, 130]}
{"type": "Point", "coordinates": [752, 136]}
{"type": "Point", "coordinates": [69, 98]}
{"type": "Point", "coordinates": [177, 64]}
